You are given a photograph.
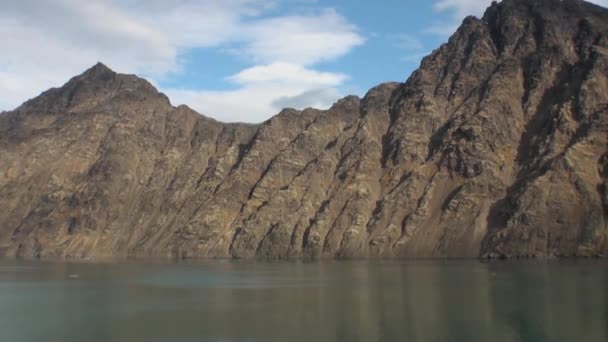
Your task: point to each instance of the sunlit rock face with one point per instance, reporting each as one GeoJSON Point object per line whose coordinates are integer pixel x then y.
{"type": "Point", "coordinates": [497, 146]}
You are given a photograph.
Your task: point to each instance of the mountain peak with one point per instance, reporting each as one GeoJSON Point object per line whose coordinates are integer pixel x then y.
{"type": "Point", "coordinates": [100, 67]}
{"type": "Point", "coordinates": [99, 71]}
{"type": "Point", "coordinates": [100, 76]}
{"type": "Point", "coordinates": [552, 8]}
{"type": "Point", "coordinates": [96, 84]}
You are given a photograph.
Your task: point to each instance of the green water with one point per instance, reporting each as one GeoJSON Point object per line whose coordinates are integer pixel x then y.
{"type": "Point", "coordinates": [296, 301]}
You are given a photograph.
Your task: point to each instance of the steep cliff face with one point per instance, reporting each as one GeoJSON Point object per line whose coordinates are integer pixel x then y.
{"type": "Point", "coordinates": [497, 146]}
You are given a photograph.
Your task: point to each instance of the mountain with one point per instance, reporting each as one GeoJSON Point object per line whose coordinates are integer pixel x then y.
{"type": "Point", "coordinates": [496, 147]}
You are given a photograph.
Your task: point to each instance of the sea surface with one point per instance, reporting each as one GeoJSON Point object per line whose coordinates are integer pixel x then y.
{"type": "Point", "coordinates": [304, 301]}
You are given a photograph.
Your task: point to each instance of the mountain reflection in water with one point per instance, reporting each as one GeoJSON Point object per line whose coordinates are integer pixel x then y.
{"type": "Point", "coordinates": [300, 301]}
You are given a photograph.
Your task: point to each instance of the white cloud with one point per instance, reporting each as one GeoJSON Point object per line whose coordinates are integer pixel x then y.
{"type": "Point", "coordinates": [75, 29]}
{"type": "Point", "coordinates": [263, 91]}
{"type": "Point", "coordinates": [459, 9]}
{"type": "Point", "coordinates": [51, 41]}
{"type": "Point", "coordinates": [462, 8]}
{"type": "Point", "coordinates": [316, 98]}
{"type": "Point", "coordinates": [301, 39]}
{"type": "Point", "coordinates": [407, 42]}
{"type": "Point", "coordinates": [415, 57]}
{"type": "Point", "coordinates": [410, 44]}
{"type": "Point", "coordinates": [281, 72]}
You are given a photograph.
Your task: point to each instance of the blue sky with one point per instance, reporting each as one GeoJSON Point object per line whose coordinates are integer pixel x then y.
{"type": "Point", "coordinates": [395, 39]}
{"type": "Point", "coordinates": [234, 60]}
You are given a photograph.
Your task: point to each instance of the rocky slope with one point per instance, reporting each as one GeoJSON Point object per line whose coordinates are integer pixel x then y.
{"type": "Point", "coordinates": [497, 146]}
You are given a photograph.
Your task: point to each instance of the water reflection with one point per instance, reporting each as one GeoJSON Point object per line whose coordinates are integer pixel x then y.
{"type": "Point", "coordinates": [336, 301]}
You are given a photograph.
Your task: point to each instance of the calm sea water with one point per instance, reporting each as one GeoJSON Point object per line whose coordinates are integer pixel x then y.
{"type": "Point", "coordinates": [297, 301]}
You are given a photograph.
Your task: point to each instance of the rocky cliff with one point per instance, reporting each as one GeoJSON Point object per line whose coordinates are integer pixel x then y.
{"type": "Point", "coordinates": [497, 146]}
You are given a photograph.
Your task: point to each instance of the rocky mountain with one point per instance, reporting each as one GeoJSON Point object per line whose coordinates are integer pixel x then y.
{"type": "Point", "coordinates": [497, 146]}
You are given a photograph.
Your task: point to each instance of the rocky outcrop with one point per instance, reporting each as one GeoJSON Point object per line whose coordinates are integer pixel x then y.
{"type": "Point", "coordinates": [497, 146]}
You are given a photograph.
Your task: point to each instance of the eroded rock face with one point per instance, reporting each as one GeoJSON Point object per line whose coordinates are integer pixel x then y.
{"type": "Point", "coordinates": [497, 146]}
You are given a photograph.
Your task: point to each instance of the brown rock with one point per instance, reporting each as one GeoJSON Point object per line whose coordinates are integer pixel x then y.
{"type": "Point", "coordinates": [497, 146]}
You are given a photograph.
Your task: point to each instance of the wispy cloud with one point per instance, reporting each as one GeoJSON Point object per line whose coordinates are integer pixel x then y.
{"type": "Point", "coordinates": [300, 39]}
{"type": "Point", "coordinates": [416, 57]}
{"type": "Point", "coordinates": [286, 73]}
{"type": "Point", "coordinates": [457, 11]}
{"type": "Point", "coordinates": [263, 90]}
{"type": "Point", "coordinates": [51, 41]}
{"type": "Point", "coordinates": [462, 8]}
{"type": "Point", "coordinates": [412, 47]}
{"type": "Point", "coordinates": [407, 42]}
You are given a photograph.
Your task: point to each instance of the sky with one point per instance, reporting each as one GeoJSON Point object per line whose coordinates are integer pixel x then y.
{"type": "Point", "coordinates": [233, 60]}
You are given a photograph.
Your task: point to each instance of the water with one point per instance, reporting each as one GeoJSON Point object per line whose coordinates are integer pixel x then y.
{"type": "Point", "coordinates": [296, 301]}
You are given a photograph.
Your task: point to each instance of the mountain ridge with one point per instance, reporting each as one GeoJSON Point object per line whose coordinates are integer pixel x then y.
{"type": "Point", "coordinates": [496, 147]}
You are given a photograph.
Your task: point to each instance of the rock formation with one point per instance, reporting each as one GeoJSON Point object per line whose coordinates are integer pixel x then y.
{"type": "Point", "coordinates": [497, 146]}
